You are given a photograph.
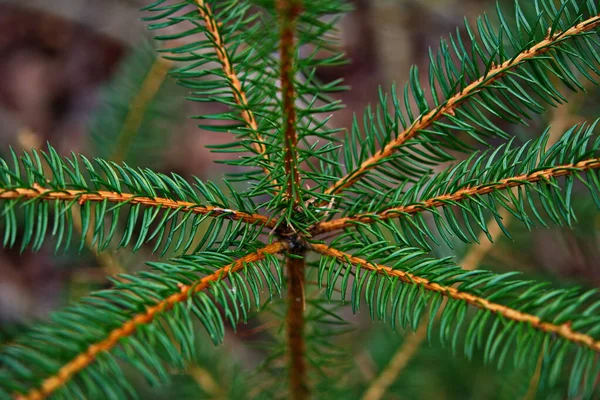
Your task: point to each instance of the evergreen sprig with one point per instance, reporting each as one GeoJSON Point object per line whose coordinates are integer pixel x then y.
{"type": "Point", "coordinates": [171, 210]}
{"type": "Point", "coordinates": [370, 213]}
{"type": "Point", "coordinates": [505, 74]}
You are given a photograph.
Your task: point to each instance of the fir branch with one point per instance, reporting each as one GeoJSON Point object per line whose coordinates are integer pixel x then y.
{"type": "Point", "coordinates": [563, 330]}
{"type": "Point", "coordinates": [212, 27]}
{"type": "Point", "coordinates": [84, 359]}
{"type": "Point", "coordinates": [289, 11]}
{"type": "Point", "coordinates": [462, 194]}
{"type": "Point", "coordinates": [273, 105]}
{"type": "Point", "coordinates": [81, 196]}
{"type": "Point", "coordinates": [171, 209]}
{"type": "Point", "coordinates": [448, 107]}
{"type": "Point", "coordinates": [469, 262]}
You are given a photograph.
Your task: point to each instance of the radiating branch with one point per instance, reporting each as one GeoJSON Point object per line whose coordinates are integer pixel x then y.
{"type": "Point", "coordinates": [289, 11]}
{"type": "Point", "coordinates": [129, 327]}
{"type": "Point", "coordinates": [425, 121]}
{"type": "Point", "coordinates": [459, 195]}
{"type": "Point", "coordinates": [562, 330]}
{"type": "Point", "coordinates": [239, 94]}
{"type": "Point", "coordinates": [82, 197]}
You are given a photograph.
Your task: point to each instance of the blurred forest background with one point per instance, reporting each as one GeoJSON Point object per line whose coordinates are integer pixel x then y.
{"type": "Point", "coordinates": [83, 75]}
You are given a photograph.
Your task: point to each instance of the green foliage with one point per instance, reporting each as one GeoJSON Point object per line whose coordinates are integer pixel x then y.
{"type": "Point", "coordinates": [464, 215]}
{"type": "Point", "coordinates": [178, 228]}
{"type": "Point", "coordinates": [501, 87]}
{"type": "Point", "coordinates": [252, 53]}
{"type": "Point", "coordinates": [169, 341]}
{"type": "Point", "coordinates": [370, 207]}
{"type": "Point", "coordinates": [392, 300]}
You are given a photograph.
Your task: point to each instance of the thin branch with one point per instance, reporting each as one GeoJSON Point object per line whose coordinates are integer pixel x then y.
{"type": "Point", "coordinates": [137, 108]}
{"type": "Point", "coordinates": [459, 195]}
{"type": "Point", "coordinates": [129, 327]}
{"type": "Point", "coordinates": [239, 95]}
{"type": "Point", "coordinates": [563, 330]}
{"type": "Point", "coordinates": [295, 328]}
{"type": "Point", "coordinates": [205, 380]}
{"type": "Point", "coordinates": [82, 196]}
{"type": "Point", "coordinates": [535, 379]}
{"type": "Point", "coordinates": [450, 105]}
{"type": "Point", "coordinates": [289, 10]}
{"type": "Point", "coordinates": [131, 126]}
{"type": "Point", "coordinates": [406, 352]}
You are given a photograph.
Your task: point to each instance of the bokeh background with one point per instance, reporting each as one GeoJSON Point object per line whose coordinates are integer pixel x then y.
{"type": "Point", "coordinates": [71, 73]}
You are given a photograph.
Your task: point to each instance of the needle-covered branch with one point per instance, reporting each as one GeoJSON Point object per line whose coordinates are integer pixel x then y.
{"type": "Point", "coordinates": [212, 28]}
{"type": "Point", "coordinates": [412, 341]}
{"type": "Point", "coordinates": [81, 197]}
{"type": "Point", "coordinates": [231, 33]}
{"type": "Point", "coordinates": [564, 330]}
{"type": "Point", "coordinates": [133, 323]}
{"type": "Point", "coordinates": [544, 175]}
{"type": "Point", "coordinates": [509, 88]}
{"type": "Point", "coordinates": [44, 187]}
{"type": "Point", "coordinates": [289, 11]}
{"type": "Point", "coordinates": [460, 197]}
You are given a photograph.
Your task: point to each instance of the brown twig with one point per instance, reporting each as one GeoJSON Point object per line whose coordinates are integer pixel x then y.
{"type": "Point", "coordinates": [462, 194]}
{"type": "Point", "coordinates": [450, 105]}
{"type": "Point", "coordinates": [409, 347]}
{"type": "Point", "coordinates": [128, 328]}
{"type": "Point", "coordinates": [535, 378]}
{"type": "Point", "coordinates": [289, 10]}
{"type": "Point", "coordinates": [83, 196]}
{"type": "Point", "coordinates": [295, 328]}
{"type": "Point", "coordinates": [205, 380]}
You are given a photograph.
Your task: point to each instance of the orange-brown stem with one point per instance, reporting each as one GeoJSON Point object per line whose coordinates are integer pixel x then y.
{"type": "Point", "coordinates": [563, 330]}
{"type": "Point", "coordinates": [113, 197]}
{"type": "Point", "coordinates": [295, 328]}
{"type": "Point", "coordinates": [450, 105]}
{"type": "Point", "coordinates": [67, 371]}
{"type": "Point", "coordinates": [289, 10]}
{"type": "Point", "coordinates": [459, 195]}
{"type": "Point", "coordinates": [239, 95]}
